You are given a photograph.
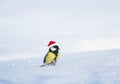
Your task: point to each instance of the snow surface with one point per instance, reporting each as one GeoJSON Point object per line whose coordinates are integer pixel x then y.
{"type": "Point", "coordinates": [100, 67]}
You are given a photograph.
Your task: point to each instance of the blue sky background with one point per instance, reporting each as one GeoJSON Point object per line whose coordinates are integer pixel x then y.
{"type": "Point", "coordinates": [76, 25]}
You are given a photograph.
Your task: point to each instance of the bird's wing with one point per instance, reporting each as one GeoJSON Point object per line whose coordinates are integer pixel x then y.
{"type": "Point", "coordinates": [58, 54]}
{"type": "Point", "coordinates": [45, 57]}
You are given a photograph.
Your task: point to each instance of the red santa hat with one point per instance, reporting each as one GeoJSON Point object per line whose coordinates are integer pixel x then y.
{"type": "Point", "coordinates": [51, 43]}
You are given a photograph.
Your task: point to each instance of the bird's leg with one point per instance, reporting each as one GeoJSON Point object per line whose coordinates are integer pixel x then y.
{"type": "Point", "coordinates": [53, 62]}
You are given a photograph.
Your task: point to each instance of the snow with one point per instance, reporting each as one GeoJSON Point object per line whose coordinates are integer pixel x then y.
{"type": "Point", "coordinates": [98, 67]}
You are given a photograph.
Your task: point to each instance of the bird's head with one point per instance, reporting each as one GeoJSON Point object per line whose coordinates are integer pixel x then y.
{"type": "Point", "coordinates": [53, 46]}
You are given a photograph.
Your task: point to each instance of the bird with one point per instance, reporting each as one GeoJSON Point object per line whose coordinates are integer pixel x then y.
{"type": "Point", "coordinates": [52, 55]}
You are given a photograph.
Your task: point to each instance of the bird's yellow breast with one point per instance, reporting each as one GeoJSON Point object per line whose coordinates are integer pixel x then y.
{"type": "Point", "coordinates": [50, 57]}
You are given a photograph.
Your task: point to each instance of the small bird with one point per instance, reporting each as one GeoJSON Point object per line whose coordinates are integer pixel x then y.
{"type": "Point", "coordinates": [52, 55]}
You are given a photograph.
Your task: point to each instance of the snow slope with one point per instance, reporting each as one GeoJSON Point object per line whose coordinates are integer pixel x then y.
{"type": "Point", "coordinates": [100, 67]}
